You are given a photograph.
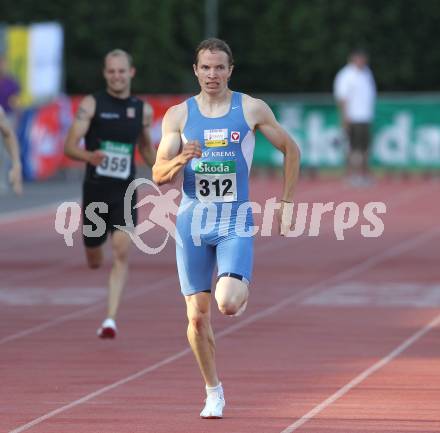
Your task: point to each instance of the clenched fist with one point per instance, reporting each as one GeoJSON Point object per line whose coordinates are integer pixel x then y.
{"type": "Point", "coordinates": [191, 149]}
{"type": "Point", "coordinates": [96, 157]}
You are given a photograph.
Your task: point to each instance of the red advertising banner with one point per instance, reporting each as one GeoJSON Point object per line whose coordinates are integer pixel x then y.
{"type": "Point", "coordinates": [43, 133]}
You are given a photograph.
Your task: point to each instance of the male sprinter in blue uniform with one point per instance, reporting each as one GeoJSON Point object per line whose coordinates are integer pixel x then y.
{"type": "Point", "coordinates": [210, 138]}
{"type": "Point", "coordinates": [111, 122]}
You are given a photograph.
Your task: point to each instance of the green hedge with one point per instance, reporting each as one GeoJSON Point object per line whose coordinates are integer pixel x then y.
{"type": "Point", "coordinates": [279, 45]}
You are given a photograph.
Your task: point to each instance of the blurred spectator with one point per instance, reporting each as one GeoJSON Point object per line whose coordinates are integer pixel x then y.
{"type": "Point", "coordinates": [355, 93]}
{"type": "Point", "coordinates": [10, 142]}
{"type": "Point", "coordinates": [9, 91]}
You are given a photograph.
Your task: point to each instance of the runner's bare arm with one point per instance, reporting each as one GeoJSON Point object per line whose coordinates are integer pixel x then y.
{"type": "Point", "coordinates": [78, 130]}
{"type": "Point", "coordinates": [145, 144]}
{"type": "Point", "coordinates": [11, 144]}
{"type": "Point", "coordinates": [342, 106]}
{"type": "Point", "coordinates": [261, 117]}
{"type": "Point", "coordinates": [171, 155]}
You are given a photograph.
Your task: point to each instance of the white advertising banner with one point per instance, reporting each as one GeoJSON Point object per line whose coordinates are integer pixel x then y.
{"type": "Point", "coordinates": [45, 60]}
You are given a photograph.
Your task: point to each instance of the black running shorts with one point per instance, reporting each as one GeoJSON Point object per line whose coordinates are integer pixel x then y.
{"type": "Point", "coordinates": [111, 193]}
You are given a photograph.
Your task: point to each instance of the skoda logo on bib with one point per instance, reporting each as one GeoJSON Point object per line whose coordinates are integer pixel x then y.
{"type": "Point", "coordinates": [216, 181]}
{"type": "Point", "coordinates": [117, 160]}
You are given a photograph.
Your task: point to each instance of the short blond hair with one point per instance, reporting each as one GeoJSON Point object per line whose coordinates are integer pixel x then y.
{"type": "Point", "coordinates": [117, 52]}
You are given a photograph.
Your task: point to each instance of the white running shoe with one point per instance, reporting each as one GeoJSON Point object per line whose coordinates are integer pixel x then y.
{"type": "Point", "coordinates": [107, 329]}
{"type": "Point", "coordinates": [214, 404]}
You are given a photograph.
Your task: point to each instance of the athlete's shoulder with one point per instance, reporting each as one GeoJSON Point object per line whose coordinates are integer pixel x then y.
{"type": "Point", "coordinates": [178, 109]}
{"type": "Point", "coordinates": [147, 109]}
{"type": "Point", "coordinates": [87, 106]}
{"type": "Point", "coordinates": [177, 114]}
{"type": "Point", "coordinates": [136, 100]}
{"type": "Point", "coordinates": [89, 99]}
{"type": "Point", "coordinates": [253, 103]}
{"type": "Point", "coordinates": [254, 110]}
{"type": "Point", "coordinates": [99, 95]}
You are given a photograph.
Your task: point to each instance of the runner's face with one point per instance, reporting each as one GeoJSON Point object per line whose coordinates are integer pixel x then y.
{"type": "Point", "coordinates": [118, 74]}
{"type": "Point", "coordinates": [360, 61]}
{"type": "Point", "coordinates": [213, 71]}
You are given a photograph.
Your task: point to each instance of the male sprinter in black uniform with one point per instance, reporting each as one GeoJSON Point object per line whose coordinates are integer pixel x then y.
{"type": "Point", "coordinates": [112, 122]}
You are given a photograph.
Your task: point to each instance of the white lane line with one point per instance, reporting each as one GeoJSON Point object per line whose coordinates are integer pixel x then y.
{"type": "Point", "coordinates": [322, 285]}
{"type": "Point", "coordinates": [39, 211]}
{"type": "Point", "coordinates": [46, 272]}
{"type": "Point", "coordinates": [396, 200]}
{"type": "Point", "coordinates": [393, 251]}
{"type": "Point", "coordinates": [82, 312]}
{"type": "Point", "coordinates": [34, 212]}
{"type": "Point", "coordinates": [75, 314]}
{"type": "Point", "coordinates": [103, 390]}
{"type": "Point", "coordinates": [361, 377]}
{"type": "Point", "coordinates": [275, 243]}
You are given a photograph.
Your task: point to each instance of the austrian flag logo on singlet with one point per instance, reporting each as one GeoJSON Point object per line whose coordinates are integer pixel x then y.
{"type": "Point", "coordinates": [131, 112]}
{"type": "Point", "coordinates": [235, 136]}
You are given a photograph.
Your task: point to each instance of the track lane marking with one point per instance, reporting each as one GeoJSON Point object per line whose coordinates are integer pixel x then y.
{"type": "Point", "coordinates": [356, 269]}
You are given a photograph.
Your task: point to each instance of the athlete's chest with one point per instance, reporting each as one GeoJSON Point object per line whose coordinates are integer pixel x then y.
{"type": "Point", "coordinates": [217, 134]}
{"type": "Point", "coordinates": [215, 172]}
{"type": "Point", "coordinates": [119, 116]}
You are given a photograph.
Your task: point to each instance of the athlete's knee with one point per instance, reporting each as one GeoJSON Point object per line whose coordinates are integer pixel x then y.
{"type": "Point", "coordinates": [231, 306]}
{"type": "Point", "coordinates": [230, 295]}
{"type": "Point", "coordinates": [228, 308]}
{"type": "Point", "coordinates": [120, 247]}
{"type": "Point", "coordinates": [94, 264]}
{"type": "Point", "coordinates": [198, 321]}
{"type": "Point", "coordinates": [230, 301]}
{"type": "Point", "coordinates": [94, 258]}
{"type": "Point", "coordinates": [120, 255]}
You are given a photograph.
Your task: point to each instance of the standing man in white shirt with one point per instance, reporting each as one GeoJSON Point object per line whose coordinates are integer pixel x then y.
{"type": "Point", "coordinates": [355, 93]}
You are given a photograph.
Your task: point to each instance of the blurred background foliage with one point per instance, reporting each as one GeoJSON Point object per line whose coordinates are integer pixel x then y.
{"type": "Point", "coordinates": [278, 45]}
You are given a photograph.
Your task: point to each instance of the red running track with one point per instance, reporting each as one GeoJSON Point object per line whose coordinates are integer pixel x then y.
{"type": "Point", "coordinates": [340, 336]}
